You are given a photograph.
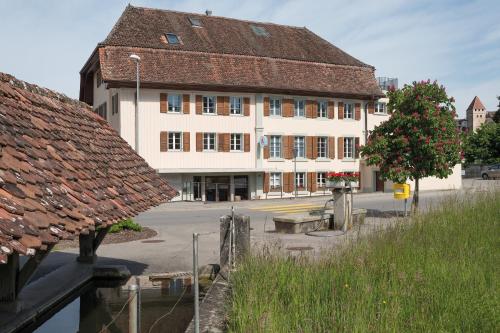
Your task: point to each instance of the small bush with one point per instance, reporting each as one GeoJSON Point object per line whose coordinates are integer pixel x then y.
{"type": "Point", "coordinates": [127, 224]}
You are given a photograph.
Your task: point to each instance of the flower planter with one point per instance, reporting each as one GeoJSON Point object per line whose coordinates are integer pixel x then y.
{"type": "Point", "coordinates": [353, 184]}
{"type": "Point", "coordinates": [335, 183]}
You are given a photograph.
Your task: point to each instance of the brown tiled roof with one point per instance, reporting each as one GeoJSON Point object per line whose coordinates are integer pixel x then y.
{"type": "Point", "coordinates": [227, 53]}
{"type": "Point", "coordinates": [198, 70]}
{"type": "Point", "coordinates": [63, 170]}
{"type": "Point", "coordinates": [476, 104]}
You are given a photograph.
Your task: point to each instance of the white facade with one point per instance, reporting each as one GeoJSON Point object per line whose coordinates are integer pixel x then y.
{"type": "Point", "coordinates": [197, 175]}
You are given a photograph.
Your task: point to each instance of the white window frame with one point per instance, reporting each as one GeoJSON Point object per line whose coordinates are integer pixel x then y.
{"type": "Point", "coordinates": [274, 106]}
{"type": "Point", "coordinates": [236, 106]}
{"type": "Point", "coordinates": [300, 108]}
{"type": "Point", "coordinates": [348, 110]}
{"type": "Point", "coordinates": [275, 180]}
{"type": "Point", "coordinates": [349, 143]}
{"type": "Point", "coordinates": [275, 146]}
{"type": "Point", "coordinates": [174, 139]}
{"type": "Point", "coordinates": [380, 108]}
{"type": "Point", "coordinates": [172, 100]}
{"type": "Point", "coordinates": [207, 109]}
{"type": "Point", "coordinates": [299, 145]}
{"type": "Point", "coordinates": [209, 139]}
{"type": "Point", "coordinates": [322, 152]}
{"type": "Point", "coordinates": [322, 109]}
{"type": "Point", "coordinates": [234, 142]}
{"type": "Point", "coordinates": [321, 179]}
{"type": "Point", "coordinates": [300, 177]}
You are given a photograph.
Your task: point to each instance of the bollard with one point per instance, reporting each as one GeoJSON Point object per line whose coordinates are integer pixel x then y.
{"type": "Point", "coordinates": [196, 287]}
{"type": "Point", "coordinates": [132, 309]}
{"type": "Point", "coordinates": [139, 303]}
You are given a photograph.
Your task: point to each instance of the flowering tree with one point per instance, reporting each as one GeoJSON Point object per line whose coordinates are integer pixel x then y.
{"type": "Point", "coordinates": [419, 140]}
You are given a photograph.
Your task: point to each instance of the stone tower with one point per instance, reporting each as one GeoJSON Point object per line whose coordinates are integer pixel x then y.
{"type": "Point", "coordinates": [476, 114]}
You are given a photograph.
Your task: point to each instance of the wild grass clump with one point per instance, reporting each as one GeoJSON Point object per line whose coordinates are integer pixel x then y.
{"type": "Point", "coordinates": [437, 273]}
{"type": "Point", "coordinates": [127, 224]}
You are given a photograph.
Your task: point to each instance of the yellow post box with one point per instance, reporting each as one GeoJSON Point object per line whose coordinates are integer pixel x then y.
{"type": "Point", "coordinates": [401, 191]}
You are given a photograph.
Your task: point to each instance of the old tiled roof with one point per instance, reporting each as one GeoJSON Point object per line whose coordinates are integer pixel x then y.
{"type": "Point", "coordinates": [225, 52]}
{"type": "Point", "coordinates": [63, 170]}
{"type": "Point", "coordinates": [476, 104]}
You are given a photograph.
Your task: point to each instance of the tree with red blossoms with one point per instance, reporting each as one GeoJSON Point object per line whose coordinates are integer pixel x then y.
{"type": "Point", "coordinates": [419, 140]}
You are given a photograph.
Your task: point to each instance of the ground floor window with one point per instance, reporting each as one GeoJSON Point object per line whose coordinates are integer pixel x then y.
{"type": "Point", "coordinates": [275, 181]}
{"type": "Point", "coordinates": [321, 179]}
{"type": "Point", "coordinates": [348, 147]}
{"type": "Point", "coordinates": [300, 180]}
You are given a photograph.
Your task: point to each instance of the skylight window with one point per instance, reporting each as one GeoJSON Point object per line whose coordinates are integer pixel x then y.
{"type": "Point", "coordinates": [172, 39]}
{"type": "Point", "coordinates": [195, 22]}
{"type": "Point", "coordinates": [260, 31]}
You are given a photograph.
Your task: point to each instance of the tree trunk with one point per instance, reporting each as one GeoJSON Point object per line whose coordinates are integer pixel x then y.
{"type": "Point", "coordinates": [414, 203]}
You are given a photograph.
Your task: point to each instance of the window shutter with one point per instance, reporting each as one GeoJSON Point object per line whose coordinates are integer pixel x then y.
{"type": "Point", "coordinates": [227, 105]}
{"type": "Point", "coordinates": [314, 109]}
{"type": "Point", "coordinates": [331, 109]}
{"type": "Point", "coordinates": [185, 104]}
{"type": "Point", "coordinates": [266, 182]}
{"type": "Point", "coordinates": [356, 147]}
{"type": "Point", "coordinates": [314, 147]}
{"type": "Point", "coordinates": [287, 147]}
{"type": "Point", "coordinates": [309, 147]}
{"type": "Point", "coordinates": [246, 142]}
{"type": "Point", "coordinates": [220, 142]}
{"type": "Point", "coordinates": [341, 110]}
{"type": "Point", "coordinates": [357, 111]}
{"type": "Point", "coordinates": [227, 142]}
{"type": "Point", "coordinates": [371, 108]}
{"type": "Point", "coordinates": [309, 109]}
{"type": "Point", "coordinates": [199, 104]}
{"type": "Point", "coordinates": [287, 182]}
{"type": "Point", "coordinates": [199, 141]}
{"type": "Point", "coordinates": [220, 108]}
{"type": "Point", "coordinates": [266, 106]}
{"type": "Point", "coordinates": [185, 141]}
{"type": "Point", "coordinates": [311, 182]}
{"type": "Point", "coordinates": [331, 147]}
{"type": "Point", "coordinates": [163, 141]}
{"type": "Point", "coordinates": [340, 147]}
{"type": "Point", "coordinates": [266, 148]}
{"type": "Point", "coordinates": [246, 106]}
{"type": "Point", "coordinates": [163, 103]}
{"type": "Point", "coordinates": [287, 108]}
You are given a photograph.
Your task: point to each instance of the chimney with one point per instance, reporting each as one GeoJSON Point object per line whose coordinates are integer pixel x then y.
{"type": "Point", "coordinates": [208, 12]}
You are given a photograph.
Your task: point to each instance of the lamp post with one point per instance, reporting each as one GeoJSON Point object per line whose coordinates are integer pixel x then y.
{"type": "Point", "coordinates": [137, 60]}
{"type": "Point", "coordinates": [295, 171]}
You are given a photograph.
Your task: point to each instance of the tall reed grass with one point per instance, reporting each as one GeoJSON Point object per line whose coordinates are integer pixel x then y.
{"type": "Point", "coordinates": [436, 273]}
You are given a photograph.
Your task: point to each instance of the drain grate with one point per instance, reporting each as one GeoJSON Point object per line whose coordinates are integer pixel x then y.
{"type": "Point", "coordinates": [299, 248]}
{"type": "Point", "coordinates": [153, 241]}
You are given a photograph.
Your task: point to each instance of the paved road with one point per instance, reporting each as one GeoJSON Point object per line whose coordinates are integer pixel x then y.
{"type": "Point", "coordinates": [176, 222]}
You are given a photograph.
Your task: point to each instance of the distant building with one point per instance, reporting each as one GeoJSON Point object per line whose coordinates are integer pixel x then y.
{"type": "Point", "coordinates": [476, 114]}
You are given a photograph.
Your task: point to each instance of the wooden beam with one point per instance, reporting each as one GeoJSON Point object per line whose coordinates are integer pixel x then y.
{"type": "Point", "coordinates": [30, 267]}
{"type": "Point", "coordinates": [101, 233]}
{"type": "Point", "coordinates": [8, 278]}
{"type": "Point", "coordinates": [87, 253]}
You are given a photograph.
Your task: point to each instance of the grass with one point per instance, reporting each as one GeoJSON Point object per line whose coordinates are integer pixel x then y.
{"type": "Point", "coordinates": [127, 224]}
{"type": "Point", "coordinates": [437, 274]}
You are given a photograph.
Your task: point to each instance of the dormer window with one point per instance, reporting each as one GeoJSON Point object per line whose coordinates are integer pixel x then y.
{"type": "Point", "coordinates": [172, 38]}
{"type": "Point", "coordinates": [260, 31]}
{"type": "Point", "coordinates": [195, 22]}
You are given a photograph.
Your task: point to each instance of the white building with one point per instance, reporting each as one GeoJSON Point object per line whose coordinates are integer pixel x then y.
{"type": "Point", "coordinates": [224, 103]}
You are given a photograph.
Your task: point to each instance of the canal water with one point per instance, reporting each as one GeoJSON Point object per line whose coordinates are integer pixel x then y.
{"type": "Point", "coordinates": [96, 307]}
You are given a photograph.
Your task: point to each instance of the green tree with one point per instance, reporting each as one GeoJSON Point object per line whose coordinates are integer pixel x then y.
{"type": "Point", "coordinates": [483, 146]}
{"type": "Point", "coordinates": [496, 116]}
{"type": "Point", "coordinates": [419, 140]}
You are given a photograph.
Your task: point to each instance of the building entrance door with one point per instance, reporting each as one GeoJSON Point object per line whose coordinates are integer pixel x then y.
{"type": "Point", "coordinates": [217, 188]}
{"type": "Point", "coordinates": [241, 187]}
{"type": "Point", "coordinates": [379, 183]}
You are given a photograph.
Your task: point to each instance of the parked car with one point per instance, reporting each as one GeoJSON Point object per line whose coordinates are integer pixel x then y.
{"type": "Point", "coordinates": [492, 172]}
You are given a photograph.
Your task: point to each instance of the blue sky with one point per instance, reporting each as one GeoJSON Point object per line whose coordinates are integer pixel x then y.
{"type": "Point", "coordinates": [456, 42]}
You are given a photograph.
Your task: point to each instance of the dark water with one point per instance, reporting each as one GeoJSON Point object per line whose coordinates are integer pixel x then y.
{"type": "Point", "coordinates": [97, 306]}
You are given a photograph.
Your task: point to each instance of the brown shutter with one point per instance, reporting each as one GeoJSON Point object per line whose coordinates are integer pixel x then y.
{"type": "Point", "coordinates": [227, 105]}
{"type": "Point", "coordinates": [311, 182]}
{"type": "Point", "coordinates": [221, 110]}
{"type": "Point", "coordinates": [227, 142]}
{"type": "Point", "coordinates": [163, 141]}
{"type": "Point", "coordinates": [199, 141]}
{"type": "Point", "coordinates": [315, 107]}
{"type": "Point", "coordinates": [288, 108]}
{"type": "Point", "coordinates": [341, 110]}
{"type": "Point", "coordinates": [199, 104]}
{"type": "Point", "coordinates": [266, 106]}
{"type": "Point", "coordinates": [309, 147]}
{"type": "Point", "coordinates": [331, 109]}
{"type": "Point", "coordinates": [220, 142]}
{"type": "Point", "coordinates": [371, 108]}
{"type": "Point", "coordinates": [288, 182]}
{"type": "Point", "coordinates": [185, 104]}
{"type": "Point", "coordinates": [246, 142]}
{"type": "Point", "coordinates": [287, 147]}
{"type": "Point", "coordinates": [246, 106]}
{"type": "Point", "coordinates": [309, 109]}
{"type": "Point", "coordinates": [266, 148]}
{"type": "Point", "coordinates": [356, 147]}
{"type": "Point", "coordinates": [186, 141]}
{"type": "Point", "coordinates": [331, 147]}
{"type": "Point", "coordinates": [163, 103]}
{"type": "Point", "coordinates": [357, 111]}
{"type": "Point", "coordinates": [266, 182]}
{"type": "Point", "coordinates": [314, 148]}
{"type": "Point", "coordinates": [340, 147]}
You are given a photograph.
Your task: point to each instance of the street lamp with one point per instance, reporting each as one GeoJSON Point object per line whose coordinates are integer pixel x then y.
{"type": "Point", "coordinates": [137, 60]}
{"type": "Point", "coordinates": [295, 152]}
